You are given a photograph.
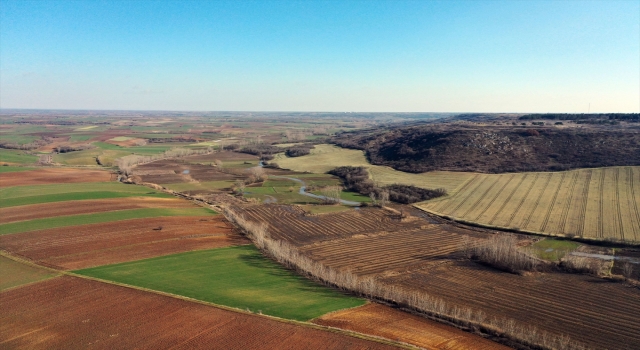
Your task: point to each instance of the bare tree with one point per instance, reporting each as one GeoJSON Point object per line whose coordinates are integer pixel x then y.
{"type": "Point", "coordinates": [384, 198]}
{"type": "Point", "coordinates": [331, 194]}
{"type": "Point", "coordinates": [239, 186]}
{"type": "Point", "coordinates": [218, 163]}
{"type": "Point", "coordinates": [627, 270]}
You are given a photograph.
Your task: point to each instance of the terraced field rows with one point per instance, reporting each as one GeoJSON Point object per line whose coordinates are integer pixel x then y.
{"type": "Point", "coordinates": [283, 220]}
{"type": "Point", "coordinates": [592, 203]}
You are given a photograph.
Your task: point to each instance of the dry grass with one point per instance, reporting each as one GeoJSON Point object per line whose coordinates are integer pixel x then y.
{"type": "Point", "coordinates": [602, 204]}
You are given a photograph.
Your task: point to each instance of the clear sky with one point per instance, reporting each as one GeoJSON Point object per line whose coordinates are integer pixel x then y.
{"type": "Point", "coordinates": [430, 56]}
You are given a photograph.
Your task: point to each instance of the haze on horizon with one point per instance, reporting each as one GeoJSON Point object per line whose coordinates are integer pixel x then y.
{"type": "Point", "coordinates": [393, 56]}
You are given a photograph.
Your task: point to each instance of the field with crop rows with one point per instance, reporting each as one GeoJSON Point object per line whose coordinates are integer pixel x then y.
{"type": "Point", "coordinates": [598, 203]}
{"type": "Point", "coordinates": [234, 276]}
{"type": "Point", "coordinates": [99, 315]}
{"type": "Point", "coordinates": [324, 158]}
{"type": "Point", "coordinates": [417, 254]}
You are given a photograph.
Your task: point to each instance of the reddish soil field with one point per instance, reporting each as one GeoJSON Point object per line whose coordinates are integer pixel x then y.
{"type": "Point", "coordinates": [103, 316]}
{"type": "Point", "coordinates": [386, 322]}
{"type": "Point", "coordinates": [225, 155]}
{"type": "Point", "coordinates": [45, 210]}
{"type": "Point", "coordinates": [108, 243]}
{"type": "Point", "coordinates": [52, 176]}
{"type": "Point", "coordinates": [427, 256]}
{"type": "Point", "coordinates": [171, 171]}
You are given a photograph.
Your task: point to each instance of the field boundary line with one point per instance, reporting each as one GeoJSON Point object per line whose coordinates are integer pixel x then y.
{"type": "Point", "coordinates": [307, 324]}
{"type": "Point", "coordinates": [543, 227]}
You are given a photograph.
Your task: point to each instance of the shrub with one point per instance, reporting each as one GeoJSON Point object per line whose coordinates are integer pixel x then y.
{"type": "Point", "coordinates": [501, 251]}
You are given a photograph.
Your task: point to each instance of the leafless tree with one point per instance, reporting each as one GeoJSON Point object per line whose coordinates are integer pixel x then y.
{"type": "Point", "coordinates": [627, 270]}
{"type": "Point", "coordinates": [331, 194]}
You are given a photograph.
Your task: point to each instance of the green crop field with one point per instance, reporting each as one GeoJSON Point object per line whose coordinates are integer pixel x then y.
{"type": "Point", "coordinates": [324, 158]}
{"type": "Point", "coordinates": [591, 203]}
{"type": "Point", "coordinates": [239, 277]}
{"type": "Point", "coordinates": [15, 156]}
{"type": "Point", "coordinates": [95, 218]}
{"type": "Point", "coordinates": [13, 273]}
{"type": "Point", "coordinates": [13, 169]}
{"type": "Point", "coordinates": [64, 189]}
{"type": "Point", "coordinates": [75, 196]}
{"type": "Point", "coordinates": [553, 249]}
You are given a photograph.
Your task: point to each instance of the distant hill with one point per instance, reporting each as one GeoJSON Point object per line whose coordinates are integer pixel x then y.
{"type": "Point", "coordinates": [494, 149]}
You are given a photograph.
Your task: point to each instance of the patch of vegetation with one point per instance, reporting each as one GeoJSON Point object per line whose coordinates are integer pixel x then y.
{"type": "Point", "coordinates": [553, 249]}
{"type": "Point", "coordinates": [62, 189]}
{"type": "Point", "coordinates": [75, 196]}
{"type": "Point", "coordinates": [14, 274]}
{"type": "Point", "coordinates": [16, 156]}
{"type": "Point", "coordinates": [13, 169]}
{"type": "Point", "coordinates": [95, 218]}
{"type": "Point", "coordinates": [239, 277]}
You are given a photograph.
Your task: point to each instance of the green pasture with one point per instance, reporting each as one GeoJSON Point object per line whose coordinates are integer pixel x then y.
{"type": "Point", "coordinates": [62, 189]}
{"type": "Point", "coordinates": [16, 156]}
{"type": "Point", "coordinates": [238, 276]}
{"type": "Point", "coordinates": [354, 197]}
{"type": "Point", "coordinates": [80, 137]}
{"type": "Point", "coordinates": [75, 196]}
{"type": "Point", "coordinates": [14, 274]}
{"type": "Point", "coordinates": [13, 169]}
{"type": "Point", "coordinates": [95, 218]}
{"type": "Point", "coordinates": [553, 249]}
{"type": "Point", "coordinates": [18, 138]}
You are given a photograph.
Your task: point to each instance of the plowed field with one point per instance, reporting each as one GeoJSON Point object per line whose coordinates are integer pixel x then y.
{"type": "Point", "coordinates": [38, 211]}
{"type": "Point", "coordinates": [425, 256]}
{"type": "Point", "coordinates": [53, 176]}
{"type": "Point", "coordinates": [593, 203]}
{"type": "Point", "coordinates": [106, 243]}
{"type": "Point", "coordinates": [103, 316]}
{"type": "Point", "coordinates": [383, 321]}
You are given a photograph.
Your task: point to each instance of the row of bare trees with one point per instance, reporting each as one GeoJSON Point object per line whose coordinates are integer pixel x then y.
{"type": "Point", "coordinates": [416, 299]}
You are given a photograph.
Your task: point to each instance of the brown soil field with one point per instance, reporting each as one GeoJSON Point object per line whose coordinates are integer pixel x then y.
{"type": "Point", "coordinates": [45, 210]}
{"type": "Point", "coordinates": [225, 155]}
{"type": "Point", "coordinates": [112, 242]}
{"type": "Point", "coordinates": [171, 171]}
{"type": "Point", "coordinates": [424, 255]}
{"type": "Point", "coordinates": [52, 176]}
{"type": "Point", "coordinates": [383, 321]}
{"type": "Point", "coordinates": [104, 316]}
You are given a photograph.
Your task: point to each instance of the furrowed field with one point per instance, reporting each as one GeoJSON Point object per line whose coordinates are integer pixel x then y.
{"type": "Point", "coordinates": [590, 203]}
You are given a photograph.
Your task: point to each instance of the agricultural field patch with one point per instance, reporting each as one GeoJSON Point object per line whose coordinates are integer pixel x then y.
{"type": "Point", "coordinates": [95, 314]}
{"type": "Point", "coordinates": [13, 169]}
{"type": "Point", "coordinates": [588, 203]}
{"type": "Point", "coordinates": [59, 192]}
{"type": "Point", "coordinates": [10, 156]}
{"type": "Point", "coordinates": [53, 176]}
{"type": "Point", "coordinates": [553, 249]}
{"type": "Point", "coordinates": [120, 241]}
{"type": "Point", "coordinates": [383, 321]}
{"type": "Point", "coordinates": [95, 218]}
{"type": "Point", "coordinates": [324, 158]}
{"type": "Point", "coordinates": [14, 274]}
{"type": "Point", "coordinates": [239, 277]}
{"type": "Point", "coordinates": [89, 206]}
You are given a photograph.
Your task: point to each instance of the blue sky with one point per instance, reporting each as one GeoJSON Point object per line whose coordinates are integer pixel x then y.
{"type": "Point", "coordinates": [432, 56]}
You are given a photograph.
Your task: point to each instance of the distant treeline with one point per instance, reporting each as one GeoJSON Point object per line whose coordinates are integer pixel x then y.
{"type": "Point", "coordinates": [631, 117]}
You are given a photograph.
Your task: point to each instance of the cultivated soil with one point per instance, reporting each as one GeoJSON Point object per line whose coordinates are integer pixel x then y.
{"type": "Point", "coordinates": [53, 176]}
{"type": "Point", "coordinates": [420, 254]}
{"type": "Point", "coordinates": [103, 316]}
{"type": "Point", "coordinates": [113, 242]}
{"type": "Point", "coordinates": [383, 321]}
{"type": "Point", "coordinates": [45, 210]}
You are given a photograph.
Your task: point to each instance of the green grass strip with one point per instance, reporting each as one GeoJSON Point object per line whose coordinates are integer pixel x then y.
{"type": "Point", "coordinates": [95, 218]}
{"type": "Point", "coordinates": [239, 277]}
{"type": "Point", "coordinates": [75, 196]}
{"type": "Point", "coordinates": [13, 169]}
{"type": "Point", "coordinates": [40, 190]}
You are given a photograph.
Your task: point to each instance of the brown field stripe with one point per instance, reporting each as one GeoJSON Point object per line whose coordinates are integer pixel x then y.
{"type": "Point", "coordinates": [504, 204]}
{"type": "Point", "coordinates": [565, 211]}
{"type": "Point", "coordinates": [617, 199]}
{"type": "Point", "coordinates": [537, 202]}
{"type": "Point", "coordinates": [494, 198]}
{"type": "Point", "coordinates": [601, 205]}
{"type": "Point", "coordinates": [460, 192]}
{"type": "Point", "coordinates": [585, 201]}
{"type": "Point", "coordinates": [633, 201]}
{"type": "Point", "coordinates": [524, 198]}
{"type": "Point", "coordinates": [543, 227]}
{"type": "Point", "coordinates": [481, 197]}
